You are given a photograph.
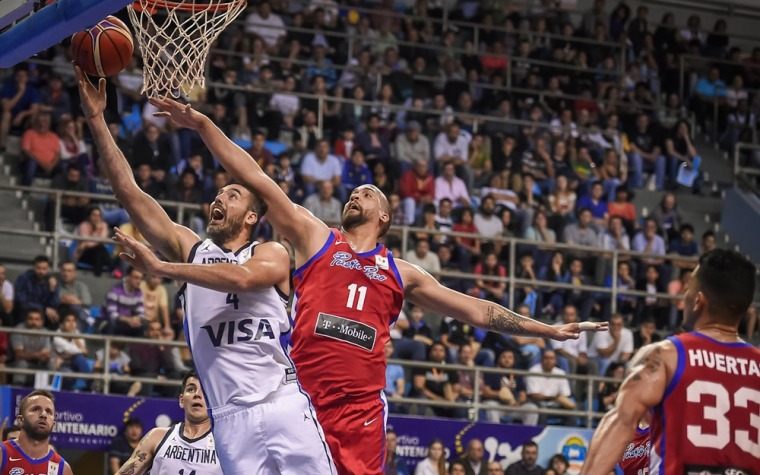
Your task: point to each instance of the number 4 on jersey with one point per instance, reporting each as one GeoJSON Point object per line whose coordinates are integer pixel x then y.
{"type": "Point", "coordinates": [232, 299]}
{"type": "Point", "coordinates": [353, 289]}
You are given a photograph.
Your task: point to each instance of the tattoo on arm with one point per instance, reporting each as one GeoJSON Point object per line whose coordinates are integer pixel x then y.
{"type": "Point", "coordinates": [503, 320]}
{"type": "Point", "coordinates": [651, 361]}
{"type": "Point", "coordinates": [129, 469]}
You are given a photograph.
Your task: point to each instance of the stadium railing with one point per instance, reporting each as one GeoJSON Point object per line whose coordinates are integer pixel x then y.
{"type": "Point", "coordinates": [587, 414]}
{"type": "Point", "coordinates": [741, 172]}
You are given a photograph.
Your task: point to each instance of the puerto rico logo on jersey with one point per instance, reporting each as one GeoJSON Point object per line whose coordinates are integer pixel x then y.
{"type": "Point", "coordinates": [636, 451]}
{"type": "Point", "coordinates": [381, 262]}
{"type": "Point", "coordinates": [344, 259]}
{"type": "Point", "coordinates": [53, 468]}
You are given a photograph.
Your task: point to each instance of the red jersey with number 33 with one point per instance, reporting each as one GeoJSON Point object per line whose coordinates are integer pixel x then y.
{"type": "Point", "coordinates": [636, 457]}
{"type": "Point", "coordinates": [709, 420]}
{"type": "Point", "coordinates": [344, 305]}
{"type": "Point", "coordinates": [15, 462]}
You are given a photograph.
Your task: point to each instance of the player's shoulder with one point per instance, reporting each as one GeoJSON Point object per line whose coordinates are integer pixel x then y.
{"type": "Point", "coordinates": [271, 250]}
{"type": "Point", "coordinates": [154, 437]}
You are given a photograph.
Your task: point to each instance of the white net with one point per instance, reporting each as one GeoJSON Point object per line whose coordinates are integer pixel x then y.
{"type": "Point", "coordinates": [175, 38]}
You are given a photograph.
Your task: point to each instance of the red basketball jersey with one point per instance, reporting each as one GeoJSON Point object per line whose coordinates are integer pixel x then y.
{"type": "Point", "coordinates": [344, 305]}
{"type": "Point", "coordinates": [709, 419]}
{"type": "Point", "coordinates": [15, 462]}
{"type": "Point", "coordinates": [636, 458]}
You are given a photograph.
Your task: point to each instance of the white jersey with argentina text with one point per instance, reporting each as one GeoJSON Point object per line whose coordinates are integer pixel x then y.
{"type": "Point", "coordinates": [238, 340]}
{"type": "Point", "coordinates": [178, 455]}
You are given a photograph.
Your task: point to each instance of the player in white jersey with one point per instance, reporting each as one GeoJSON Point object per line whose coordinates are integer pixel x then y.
{"type": "Point", "coordinates": [187, 447]}
{"type": "Point", "coordinates": [263, 423]}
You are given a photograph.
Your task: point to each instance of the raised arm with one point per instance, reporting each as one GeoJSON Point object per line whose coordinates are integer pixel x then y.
{"type": "Point", "coordinates": [422, 289]}
{"type": "Point", "coordinates": [142, 458]}
{"type": "Point", "coordinates": [305, 232]}
{"type": "Point", "coordinates": [642, 389]}
{"type": "Point", "coordinates": [269, 266]}
{"type": "Point", "coordinates": [172, 240]}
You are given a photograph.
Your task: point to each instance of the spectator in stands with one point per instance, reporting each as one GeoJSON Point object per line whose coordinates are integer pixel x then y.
{"type": "Point", "coordinates": [154, 361]}
{"type": "Point", "coordinates": [646, 334]}
{"type": "Point", "coordinates": [124, 445]}
{"type": "Point", "coordinates": [598, 206]}
{"type": "Point", "coordinates": [30, 351]}
{"type": "Point", "coordinates": [508, 390]}
{"type": "Point", "coordinates": [667, 216]}
{"type": "Point", "coordinates": [125, 311]}
{"type": "Point", "coordinates": [553, 299]}
{"type": "Point", "coordinates": [493, 290]}
{"type": "Point", "coordinates": [93, 253]}
{"type": "Point", "coordinates": [548, 392]}
{"type": "Point", "coordinates": [20, 101]}
{"type": "Point", "coordinates": [153, 147]}
{"type": "Point", "coordinates": [651, 305]}
{"type": "Point", "coordinates": [465, 387]}
{"type": "Point", "coordinates": [395, 385]}
{"type": "Point", "coordinates": [539, 231]}
{"type": "Point", "coordinates": [75, 295]}
{"type": "Point", "coordinates": [435, 462]}
{"type": "Point", "coordinates": [622, 208]}
{"type": "Point", "coordinates": [479, 159]}
{"type": "Point", "coordinates": [373, 142]}
{"type": "Point", "coordinates": [71, 351]}
{"type": "Point", "coordinates": [649, 242]}
{"type": "Point", "coordinates": [445, 256]}
{"type": "Point", "coordinates": [680, 149]}
{"type": "Point", "coordinates": [285, 103]}
{"type": "Point", "coordinates": [412, 146]}
{"type": "Point", "coordinates": [395, 464]}
{"type": "Point", "coordinates": [189, 190]}
{"type": "Point", "coordinates": [113, 213]}
{"type": "Point", "coordinates": [11, 432]}
{"type": "Point", "coordinates": [155, 300]}
{"type": "Point", "coordinates": [582, 232]}
{"type": "Point", "coordinates": [321, 165]}
{"type": "Point", "coordinates": [615, 345]}
{"type": "Point", "coordinates": [6, 300]}
{"type": "Point", "coordinates": [73, 208]}
{"type": "Point", "coordinates": [562, 204]}
{"type": "Point", "coordinates": [266, 25]}
{"type": "Point", "coordinates": [528, 293]}
{"type": "Point", "coordinates": [195, 163]}
{"type": "Point", "coordinates": [708, 242]}
{"type": "Point", "coordinates": [486, 221]}
{"type": "Point", "coordinates": [450, 186]}
{"type": "Point", "coordinates": [119, 364]}
{"type": "Point", "coordinates": [608, 392]}
{"type": "Point", "coordinates": [685, 246]}
{"type": "Point", "coordinates": [55, 100]}
{"type": "Point", "coordinates": [417, 189]}
{"type": "Point", "coordinates": [73, 148]}
{"type": "Point", "coordinates": [677, 288]}
{"type": "Point", "coordinates": [528, 464]}
{"type": "Point", "coordinates": [355, 172]}
{"type": "Point", "coordinates": [418, 329]}
{"type": "Point", "coordinates": [40, 149]}
{"type": "Point", "coordinates": [423, 257]}
{"type": "Point", "coordinates": [323, 204]}
{"type": "Point", "coordinates": [37, 289]}
{"type": "Point", "coordinates": [646, 154]}
{"type": "Point", "coordinates": [572, 355]}
{"type": "Point", "coordinates": [436, 384]}
{"type": "Point", "coordinates": [740, 124]}
{"type": "Point", "coordinates": [148, 184]}
{"type": "Point", "coordinates": [494, 468]}
{"type": "Point", "coordinates": [707, 91]}
{"type": "Point", "coordinates": [473, 458]}
{"type": "Point", "coordinates": [615, 237]}
{"type": "Point", "coordinates": [452, 146]}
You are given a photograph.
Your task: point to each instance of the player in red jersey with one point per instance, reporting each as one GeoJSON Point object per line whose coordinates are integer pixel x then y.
{"type": "Point", "coordinates": [348, 292]}
{"type": "Point", "coordinates": [31, 453]}
{"type": "Point", "coordinates": [703, 387]}
{"type": "Point", "coordinates": [636, 457]}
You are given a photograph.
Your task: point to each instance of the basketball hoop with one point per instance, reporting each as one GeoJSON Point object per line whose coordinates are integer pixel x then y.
{"type": "Point", "coordinates": [175, 38]}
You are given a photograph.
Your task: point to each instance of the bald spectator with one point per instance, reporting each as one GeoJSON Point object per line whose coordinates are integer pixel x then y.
{"type": "Point", "coordinates": [494, 468]}
{"type": "Point", "coordinates": [473, 459]}
{"type": "Point", "coordinates": [323, 204]}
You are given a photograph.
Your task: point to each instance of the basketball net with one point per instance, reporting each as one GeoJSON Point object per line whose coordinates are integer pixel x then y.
{"type": "Point", "coordinates": [175, 38]}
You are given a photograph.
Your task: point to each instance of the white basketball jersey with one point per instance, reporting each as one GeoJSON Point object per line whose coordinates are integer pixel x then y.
{"type": "Point", "coordinates": [238, 341]}
{"type": "Point", "coordinates": [178, 455]}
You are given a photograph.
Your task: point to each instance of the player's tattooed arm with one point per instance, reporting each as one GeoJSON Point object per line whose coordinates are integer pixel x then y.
{"type": "Point", "coordinates": [503, 320]}
{"type": "Point", "coordinates": [142, 457]}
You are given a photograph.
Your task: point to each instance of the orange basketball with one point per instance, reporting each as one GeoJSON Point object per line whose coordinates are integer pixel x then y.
{"type": "Point", "coordinates": [104, 49]}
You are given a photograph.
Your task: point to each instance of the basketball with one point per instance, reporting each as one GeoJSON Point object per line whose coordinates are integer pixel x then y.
{"type": "Point", "coordinates": [104, 49]}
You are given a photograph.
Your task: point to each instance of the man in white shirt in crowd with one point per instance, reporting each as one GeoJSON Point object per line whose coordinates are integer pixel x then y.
{"type": "Point", "coordinates": [75, 294]}
{"type": "Point", "coordinates": [323, 204]}
{"type": "Point", "coordinates": [450, 186]}
{"type": "Point", "coordinates": [549, 392]}
{"type": "Point", "coordinates": [321, 165]}
{"type": "Point", "coordinates": [572, 355]}
{"type": "Point", "coordinates": [412, 146]}
{"type": "Point", "coordinates": [486, 221]}
{"type": "Point", "coordinates": [71, 351]}
{"type": "Point", "coordinates": [266, 25]}
{"type": "Point", "coordinates": [615, 345]}
{"type": "Point", "coordinates": [452, 146]}
{"type": "Point", "coordinates": [648, 241]}
{"type": "Point", "coordinates": [421, 256]}
{"type": "Point", "coordinates": [6, 298]}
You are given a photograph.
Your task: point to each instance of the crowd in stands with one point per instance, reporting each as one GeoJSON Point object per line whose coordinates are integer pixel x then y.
{"type": "Point", "coordinates": [595, 130]}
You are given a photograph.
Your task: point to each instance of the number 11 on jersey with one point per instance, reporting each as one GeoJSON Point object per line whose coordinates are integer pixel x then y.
{"type": "Point", "coordinates": [353, 289]}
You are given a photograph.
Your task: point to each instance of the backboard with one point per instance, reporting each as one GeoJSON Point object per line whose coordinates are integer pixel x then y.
{"type": "Point", "coordinates": [47, 26]}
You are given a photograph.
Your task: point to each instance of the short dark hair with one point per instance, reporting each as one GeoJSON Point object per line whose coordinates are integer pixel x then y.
{"type": "Point", "coordinates": [686, 227]}
{"type": "Point", "coordinates": [37, 392]}
{"type": "Point", "coordinates": [190, 374]}
{"type": "Point", "coordinates": [728, 280]}
{"type": "Point", "coordinates": [530, 443]}
{"type": "Point", "coordinates": [132, 421]}
{"type": "Point", "coordinates": [41, 258]}
{"type": "Point", "coordinates": [9, 429]}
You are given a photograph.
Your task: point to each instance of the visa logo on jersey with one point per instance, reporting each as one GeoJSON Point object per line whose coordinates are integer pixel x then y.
{"type": "Point", "coordinates": [231, 332]}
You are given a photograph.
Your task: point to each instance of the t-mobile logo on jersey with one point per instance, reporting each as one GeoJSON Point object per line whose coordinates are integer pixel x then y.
{"type": "Point", "coordinates": [344, 329]}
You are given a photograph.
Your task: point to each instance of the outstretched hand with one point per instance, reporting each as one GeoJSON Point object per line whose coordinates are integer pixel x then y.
{"type": "Point", "coordinates": [93, 100]}
{"type": "Point", "coordinates": [572, 331]}
{"type": "Point", "coordinates": [181, 115]}
{"type": "Point", "coordinates": [137, 254]}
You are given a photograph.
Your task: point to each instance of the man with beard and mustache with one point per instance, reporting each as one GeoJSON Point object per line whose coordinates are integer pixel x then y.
{"type": "Point", "coordinates": [349, 291]}
{"type": "Point", "coordinates": [31, 452]}
{"type": "Point", "coordinates": [185, 447]}
{"type": "Point", "coordinates": [235, 316]}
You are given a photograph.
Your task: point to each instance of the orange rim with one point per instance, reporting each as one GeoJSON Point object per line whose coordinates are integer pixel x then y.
{"type": "Point", "coordinates": [185, 7]}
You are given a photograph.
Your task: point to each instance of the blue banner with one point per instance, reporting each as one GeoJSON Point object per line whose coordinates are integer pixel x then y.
{"type": "Point", "coordinates": [91, 421]}
{"type": "Point", "coordinates": [502, 442]}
